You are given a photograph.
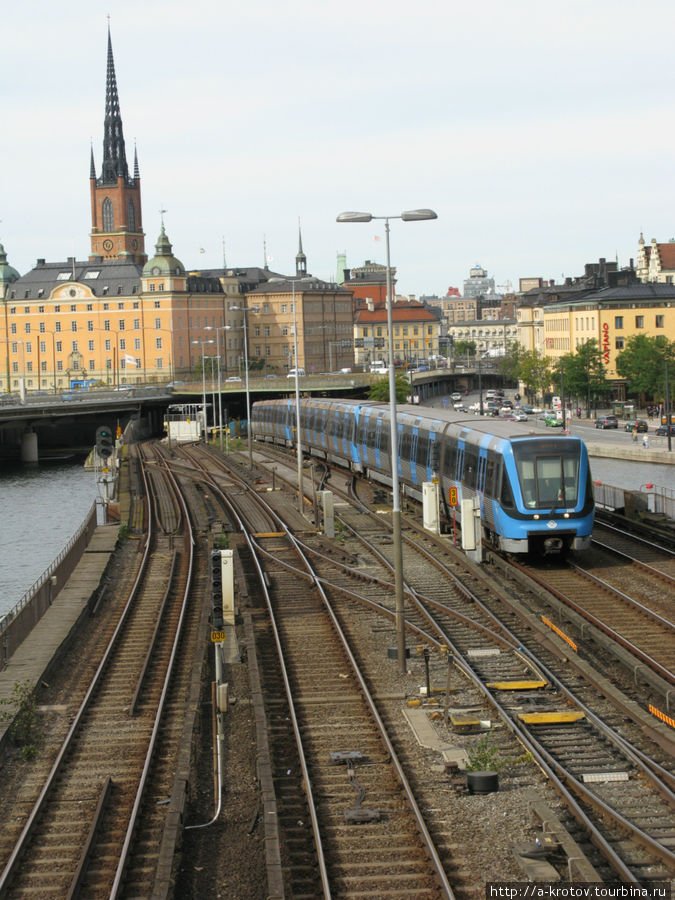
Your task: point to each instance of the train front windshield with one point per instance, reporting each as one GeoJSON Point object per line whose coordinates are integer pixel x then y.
{"type": "Point", "coordinates": [548, 472]}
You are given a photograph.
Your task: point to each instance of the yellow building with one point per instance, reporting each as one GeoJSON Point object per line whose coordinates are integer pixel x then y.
{"type": "Point", "coordinates": [610, 316]}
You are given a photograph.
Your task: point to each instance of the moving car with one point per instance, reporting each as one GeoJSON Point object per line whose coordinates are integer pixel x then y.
{"type": "Point", "coordinates": [663, 430]}
{"type": "Point", "coordinates": [456, 396]}
{"type": "Point", "coordinates": [639, 425]}
{"type": "Point", "coordinates": [232, 378]}
{"type": "Point", "coordinates": [607, 422]}
{"type": "Point", "coordinates": [291, 373]}
{"type": "Point", "coordinates": [553, 421]}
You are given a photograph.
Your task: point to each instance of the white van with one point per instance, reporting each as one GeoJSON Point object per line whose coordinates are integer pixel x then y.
{"type": "Point", "coordinates": [291, 373]}
{"type": "Point", "coordinates": [378, 368]}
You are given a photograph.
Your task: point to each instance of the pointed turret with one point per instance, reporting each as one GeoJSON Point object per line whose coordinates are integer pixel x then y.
{"type": "Point", "coordinates": [92, 166]}
{"type": "Point", "coordinates": [300, 259]}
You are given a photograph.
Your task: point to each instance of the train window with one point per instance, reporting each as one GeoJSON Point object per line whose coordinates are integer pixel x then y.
{"type": "Point", "coordinates": [470, 466]}
{"type": "Point", "coordinates": [490, 486]}
{"type": "Point", "coordinates": [449, 456]}
{"type": "Point", "coordinates": [405, 433]}
{"type": "Point", "coordinates": [548, 479]}
{"type": "Point", "coordinates": [506, 496]}
{"type": "Point", "coordinates": [383, 435]}
{"type": "Point", "coordinates": [422, 447]}
{"type": "Point", "coordinates": [434, 453]}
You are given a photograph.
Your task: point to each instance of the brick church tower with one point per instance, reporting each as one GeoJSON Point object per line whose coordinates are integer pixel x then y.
{"type": "Point", "coordinates": [116, 221]}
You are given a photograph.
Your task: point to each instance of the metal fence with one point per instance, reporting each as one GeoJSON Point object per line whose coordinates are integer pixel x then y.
{"type": "Point", "coordinates": [17, 624]}
{"type": "Point", "coordinates": [650, 497]}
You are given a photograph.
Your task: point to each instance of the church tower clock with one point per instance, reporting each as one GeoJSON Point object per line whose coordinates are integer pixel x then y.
{"type": "Point", "coordinates": [116, 221]}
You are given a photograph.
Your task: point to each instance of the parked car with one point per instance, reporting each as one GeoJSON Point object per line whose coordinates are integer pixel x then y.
{"type": "Point", "coordinates": [607, 422]}
{"type": "Point", "coordinates": [455, 397]}
{"type": "Point", "coordinates": [291, 373]}
{"type": "Point", "coordinates": [528, 410]}
{"type": "Point", "coordinates": [663, 430]}
{"type": "Point", "coordinates": [639, 425]}
{"type": "Point", "coordinates": [232, 379]}
{"type": "Point", "coordinates": [519, 415]}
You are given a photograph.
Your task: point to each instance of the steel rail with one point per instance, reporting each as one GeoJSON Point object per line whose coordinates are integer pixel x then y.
{"type": "Point", "coordinates": [124, 854]}
{"type": "Point", "coordinates": [419, 818]}
{"type": "Point", "coordinates": [31, 823]}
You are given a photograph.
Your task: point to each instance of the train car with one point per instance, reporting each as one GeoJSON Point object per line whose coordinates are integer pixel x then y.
{"type": "Point", "coordinates": [534, 488]}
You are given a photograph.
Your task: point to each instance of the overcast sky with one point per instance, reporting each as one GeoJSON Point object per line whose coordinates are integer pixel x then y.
{"type": "Point", "coordinates": [541, 133]}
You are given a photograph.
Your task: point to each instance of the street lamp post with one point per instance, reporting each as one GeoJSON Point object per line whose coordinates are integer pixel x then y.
{"type": "Point", "coordinates": [203, 345]}
{"type": "Point", "coordinates": [409, 216]}
{"type": "Point", "coordinates": [245, 310]}
{"type": "Point", "coordinates": [298, 439]}
{"type": "Point", "coordinates": [220, 401]}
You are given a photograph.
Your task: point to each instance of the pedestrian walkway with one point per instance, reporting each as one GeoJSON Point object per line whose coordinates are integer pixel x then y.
{"type": "Point", "coordinates": [50, 636]}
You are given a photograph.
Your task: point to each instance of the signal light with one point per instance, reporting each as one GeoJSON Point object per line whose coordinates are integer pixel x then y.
{"type": "Point", "coordinates": [104, 441]}
{"type": "Point", "coordinates": [217, 590]}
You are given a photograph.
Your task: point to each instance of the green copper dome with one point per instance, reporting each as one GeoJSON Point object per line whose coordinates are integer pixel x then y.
{"type": "Point", "coordinates": [8, 273]}
{"type": "Point", "coordinates": [163, 262]}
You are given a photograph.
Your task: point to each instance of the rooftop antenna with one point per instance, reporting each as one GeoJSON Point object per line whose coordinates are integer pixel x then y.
{"type": "Point", "coordinates": [224, 260]}
{"type": "Point", "coordinates": [265, 252]}
{"type": "Point", "coordinates": [161, 213]}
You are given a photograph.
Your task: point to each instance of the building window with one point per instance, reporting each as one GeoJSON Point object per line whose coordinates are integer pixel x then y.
{"type": "Point", "coordinates": [108, 345]}
{"type": "Point", "coordinates": [12, 328]}
{"type": "Point", "coordinates": [92, 365]}
{"type": "Point", "coordinates": [59, 365]}
{"type": "Point", "coordinates": [120, 325]}
{"type": "Point", "coordinates": [659, 321]}
{"type": "Point", "coordinates": [158, 363]}
{"type": "Point", "coordinates": [57, 326]}
{"type": "Point", "coordinates": [41, 309]}
{"type": "Point", "coordinates": [108, 221]}
{"type": "Point", "coordinates": [90, 307]}
{"type": "Point", "coordinates": [639, 321]}
{"type": "Point", "coordinates": [137, 324]}
{"type": "Point", "coordinates": [43, 366]}
{"type": "Point", "coordinates": [618, 343]}
{"type": "Point", "coordinates": [29, 366]}
{"type": "Point", "coordinates": [106, 306]}
{"type": "Point", "coordinates": [256, 331]}
{"type": "Point", "coordinates": [267, 331]}
{"type": "Point", "coordinates": [284, 330]}
{"type": "Point", "coordinates": [90, 325]}
{"type": "Point", "coordinates": [74, 347]}
{"type": "Point", "coordinates": [106, 324]}
{"type": "Point", "coordinates": [158, 323]}
{"type": "Point", "coordinates": [283, 308]}
{"type": "Point", "coordinates": [43, 346]}
{"type": "Point", "coordinates": [59, 346]}
{"type": "Point", "coordinates": [160, 285]}
{"type": "Point", "coordinates": [152, 286]}
{"type": "Point", "coordinates": [258, 350]}
{"type": "Point", "coordinates": [15, 347]}
{"type": "Point", "coordinates": [158, 344]}
{"type": "Point", "coordinates": [90, 345]}
{"type": "Point", "coordinates": [137, 343]}
{"type": "Point", "coordinates": [73, 326]}
{"type": "Point", "coordinates": [27, 327]}
{"type": "Point", "coordinates": [123, 344]}
{"type": "Point", "coordinates": [157, 304]}
{"type": "Point", "coordinates": [73, 307]}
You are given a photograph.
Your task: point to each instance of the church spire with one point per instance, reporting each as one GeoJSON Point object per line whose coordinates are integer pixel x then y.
{"type": "Point", "coordinates": [114, 154]}
{"type": "Point", "coordinates": [116, 217]}
{"type": "Point", "coordinates": [300, 259]}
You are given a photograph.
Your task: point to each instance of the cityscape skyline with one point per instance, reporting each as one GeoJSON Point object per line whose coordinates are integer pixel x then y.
{"type": "Point", "coordinates": [534, 158]}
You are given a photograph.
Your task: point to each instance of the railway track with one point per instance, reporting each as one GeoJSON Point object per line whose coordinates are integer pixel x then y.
{"type": "Point", "coordinates": [348, 820]}
{"type": "Point", "coordinates": [96, 828]}
{"type": "Point", "coordinates": [556, 726]}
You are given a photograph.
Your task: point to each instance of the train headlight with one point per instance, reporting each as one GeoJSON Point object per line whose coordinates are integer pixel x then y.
{"type": "Point", "coordinates": [566, 515]}
{"type": "Point", "coordinates": [536, 515]}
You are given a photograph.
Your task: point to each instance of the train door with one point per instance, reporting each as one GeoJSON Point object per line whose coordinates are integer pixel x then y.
{"type": "Point", "coordinates": [378, 442]}
{"type": "Point", "coordinates": [411, 455]}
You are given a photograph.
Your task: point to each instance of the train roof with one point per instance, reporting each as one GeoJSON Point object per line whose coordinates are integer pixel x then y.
{"type": "Point", "coordinates": [487, 425]}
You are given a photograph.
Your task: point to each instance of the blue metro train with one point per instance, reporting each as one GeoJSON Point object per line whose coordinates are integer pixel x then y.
{"type": "Point", "coordinates": [535, 488]}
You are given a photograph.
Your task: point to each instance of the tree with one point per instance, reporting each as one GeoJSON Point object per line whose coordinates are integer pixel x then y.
{"type": "Point", "coordinates": [584, 374]}
{"type": "Point", "coordinates": [465, 348]}
{"type": "Point", "coordinates": [510, 364]}
{"type": "Point", "coordinates": [642, 364]}
{"type": "Point", "coordinates": [380, 390]}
